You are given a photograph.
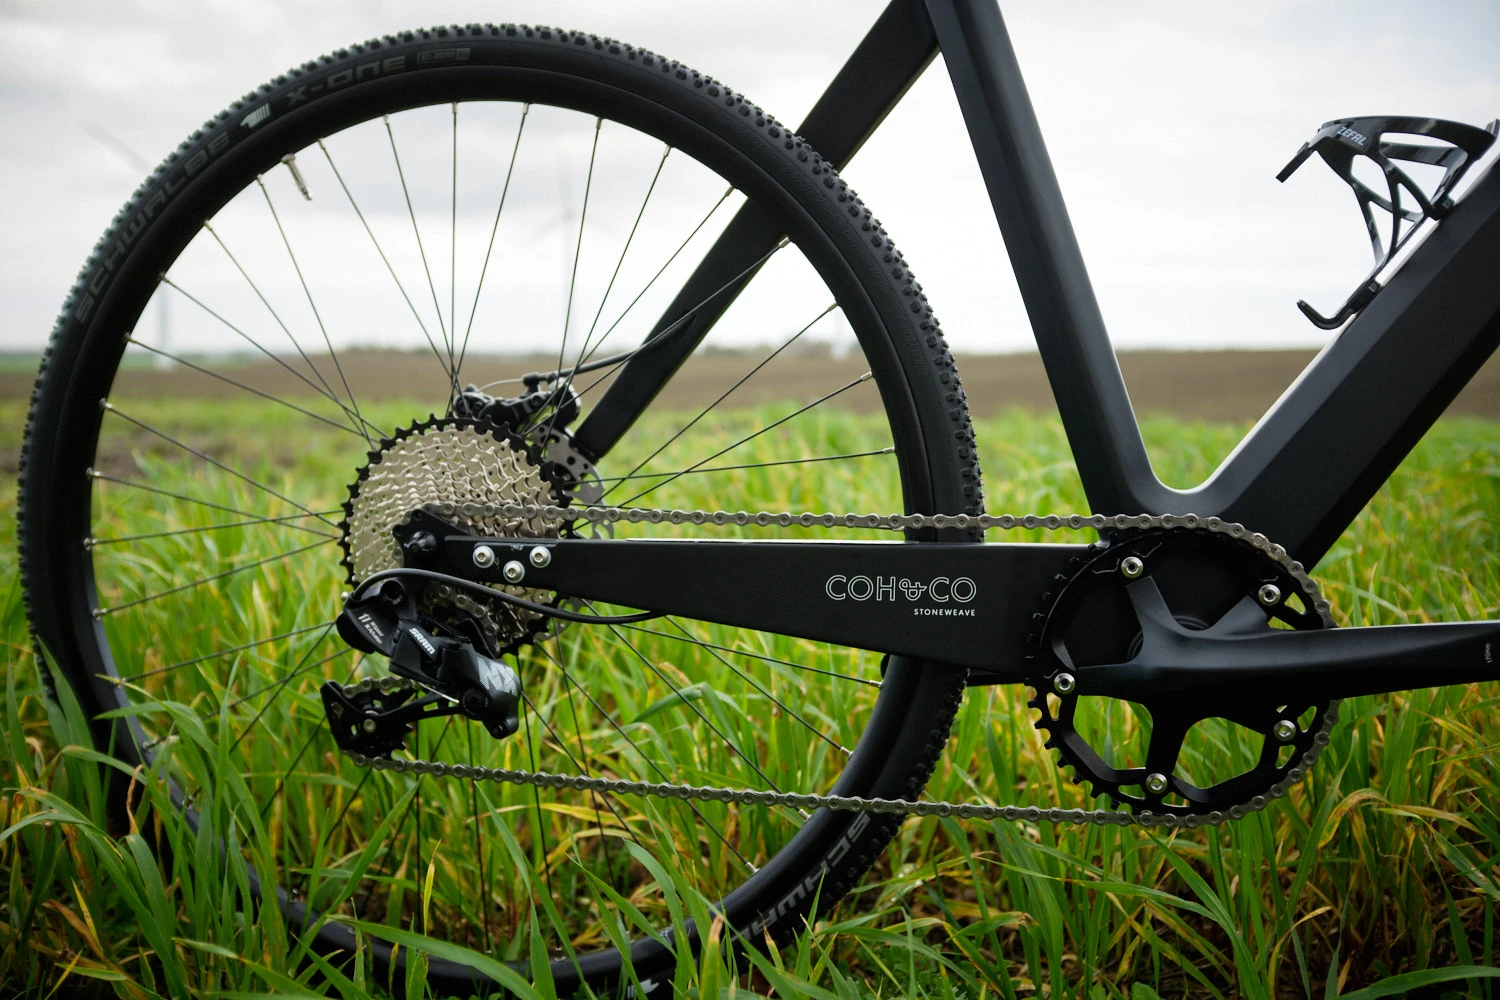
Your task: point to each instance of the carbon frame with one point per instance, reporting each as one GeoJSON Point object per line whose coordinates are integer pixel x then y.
{"type": "Point", "coordinates": [1314, 459]}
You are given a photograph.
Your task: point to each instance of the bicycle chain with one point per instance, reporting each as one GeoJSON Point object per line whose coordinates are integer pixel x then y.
{"type": "Point", "coordinates": [854, 803]}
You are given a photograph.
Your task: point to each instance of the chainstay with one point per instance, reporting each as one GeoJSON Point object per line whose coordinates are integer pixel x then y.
{"type": "Point", "coordinates": [851, 803]}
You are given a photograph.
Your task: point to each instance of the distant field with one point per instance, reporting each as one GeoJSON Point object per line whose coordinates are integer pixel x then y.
{"type": "Point", "coordinates": [1202, 385]}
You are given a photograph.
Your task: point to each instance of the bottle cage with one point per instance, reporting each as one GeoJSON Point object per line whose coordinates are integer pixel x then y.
{"type": "Point", "coordinates": [1339, 142]}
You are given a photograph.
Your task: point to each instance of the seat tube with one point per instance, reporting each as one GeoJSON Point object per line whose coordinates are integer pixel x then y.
{"type": "Point", "coordinates": [1044, 253]}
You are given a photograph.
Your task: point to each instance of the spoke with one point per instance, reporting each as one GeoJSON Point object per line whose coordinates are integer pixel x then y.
{"type": "Point", "coordinates": [110, 407]}
{"type": "Point", "coordinates": [644, 756]}
{"type": "Point", "coordinates": [102, 612]}
{"type": "Point", "coordinates": [104, 477]}
{"type": "Point", "coordinates": [758, 656]}
{"type": "Point", "coordinates": [90, 543]}
{"type": "Point", "coordinates": [695, 709]}
{"type": "Point", "coordinates": [328, 389]}
{"type": "Point", "coordinates": [281, 686]}
{"type": "Point", "coordinates": [484, 884]}
{"type": "Point", "coordinates": [422, 251]}
{"type": "Point", "coordinates": [251, 389]}
{"type": "Point", "coordinates": [659, 271]}
{"type": "Point", "coordinates": [609, 364]}
{"type": "Point", "coordinates": [539, 839]}
{"type": "Point", "coordinates": [726, 393]}
{"type": "Point", "coordinates": [583, 352]}
{"type": "Point", "coordinates": [453, 256]}
{"type": "Point", "coordinates": [299, 671]}
{"type": "Point", "coordinates": [583, 768]}
{"type": "Point", "coordinates": [353, 796]}
{"type": "Point", "coordinates": [756, 684]}
{"type": "Point", "coordinates": [221, 652]}
{"type": "Point", "coordinates": [750, 437]}
{"type": "Point", "coordinates": [583, 218]}
{"type": "Point", "coordinates": [752, 465]}
{"type": "Point", "coordinates": [314, 307]}
{"type": "Point", "coordinates": [302, 751]}
{"type": "Point", "coordinates": [319, 389]}
{"type": "Point", "coordinates": [483, 270]}
{"type": "Point", "coordinates": [598, 798]}
{"type": "Point", "coordinates": [447, 371]}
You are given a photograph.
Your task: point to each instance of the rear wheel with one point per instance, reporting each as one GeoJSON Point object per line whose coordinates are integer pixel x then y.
{"type": "Point", "coordinates": [204, 435]}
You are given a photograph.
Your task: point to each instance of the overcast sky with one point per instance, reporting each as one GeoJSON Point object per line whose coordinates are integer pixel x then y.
{"type": "Point", "coordinates": [1166, 121]}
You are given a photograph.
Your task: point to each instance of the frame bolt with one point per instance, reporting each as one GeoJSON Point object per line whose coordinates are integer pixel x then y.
{"type": "Point", "coordinates": [484, 556]}
{"type": "Point", "coordinates": [1132, 567]}
{"type": "Point", "coordinates": [513, 572]}
{"type": "Point", "coordinates": [541, 556]}
{"type": "Point", "coordinates": [1269, 594]}
{"type": "Point", "coordinates": [1285, 730]}
{"type": "Point", "coordinates": [1156, 783]}
{"type": "Point", "coordinates": [1064, 683]}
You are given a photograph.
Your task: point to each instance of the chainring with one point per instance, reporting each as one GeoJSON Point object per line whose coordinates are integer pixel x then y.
{"type": "Point", "coordinates": [447, 464]}
{"type": "Point", "coordinates": [1204, 579]}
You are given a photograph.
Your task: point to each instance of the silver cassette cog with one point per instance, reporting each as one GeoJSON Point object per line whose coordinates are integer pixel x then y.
{"type": "Point", "coordinates": [441, 465]}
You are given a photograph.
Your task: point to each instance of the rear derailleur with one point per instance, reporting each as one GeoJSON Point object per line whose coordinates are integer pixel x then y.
{"type": "Point", "coordinates": [459, 679]}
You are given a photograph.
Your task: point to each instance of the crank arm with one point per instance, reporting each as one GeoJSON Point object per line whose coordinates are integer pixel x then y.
{"type": "Point", "coordinates": [1243, 665]}
{"type": "Point", "coordinates": [966, 604]}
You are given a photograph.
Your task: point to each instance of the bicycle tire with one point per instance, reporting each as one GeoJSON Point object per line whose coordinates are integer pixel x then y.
{"type": "Point", "coordinates": [922, 398]}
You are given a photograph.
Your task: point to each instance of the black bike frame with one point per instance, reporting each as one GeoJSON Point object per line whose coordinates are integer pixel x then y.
{"type": "Point", "coordinates": [1307, 467]}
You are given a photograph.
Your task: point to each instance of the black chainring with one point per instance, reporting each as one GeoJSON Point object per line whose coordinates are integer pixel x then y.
{"type": "Point", "coordinates": [1204, 578]}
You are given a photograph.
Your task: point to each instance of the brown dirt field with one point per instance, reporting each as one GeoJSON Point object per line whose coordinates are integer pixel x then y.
{"type": "Point", "coordinates": [1208, 385]}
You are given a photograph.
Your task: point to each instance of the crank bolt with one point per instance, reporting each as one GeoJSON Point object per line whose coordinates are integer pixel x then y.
{"type": "Point", "coordinates": [513, 572]}
{"type": "Point", "coordinates": [1132, 567]}
{"type": "Point", "coordinates": [1285, 730]}
{"type": "Point", "coordinates": [1064, 683]}
{"type": "Point", "coordinates": [1156, 783]}
{"type": "Point", "coordinates": [484, 556]}
{"type": "Point", "coordinates": [541, 556]}
{"type": "Point", "coordinates": [1269, 594]}
{"type": "Point", "coordinates": [369, 725]}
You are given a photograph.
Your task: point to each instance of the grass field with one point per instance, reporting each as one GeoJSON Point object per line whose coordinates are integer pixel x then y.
{"type": "Point", "coordinates": [1375, 877]}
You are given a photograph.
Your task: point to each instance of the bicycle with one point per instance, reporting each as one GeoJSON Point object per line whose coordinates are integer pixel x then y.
{"type": "Point", "coordinates": [486, 554]}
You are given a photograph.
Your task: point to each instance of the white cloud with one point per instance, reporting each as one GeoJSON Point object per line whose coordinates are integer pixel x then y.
{"type": "Point", "coordinates": [1166, 123]}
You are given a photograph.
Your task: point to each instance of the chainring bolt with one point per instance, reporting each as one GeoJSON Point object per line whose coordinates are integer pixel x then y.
{"type": "Point", "coordinates": [1064, 683]}
{"type": "Point", "coordinates": [1132, 567]}
{"type": "Point", "coordinates": [541, 556]}
{"type": "Point", "coordinates": [1285, 730]}
{"type": "Point", "coordinates": [484, 556]}
{"type": "Point", "coordinates": [1156, 783]}
{"type": "Point", "coordinates": [1269, 594]}
{"type": "Point", "coordinates": [513, 571]}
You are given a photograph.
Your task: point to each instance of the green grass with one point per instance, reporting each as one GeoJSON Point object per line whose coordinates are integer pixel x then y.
{"type": "Point", "coordinates": [1375, 877]}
